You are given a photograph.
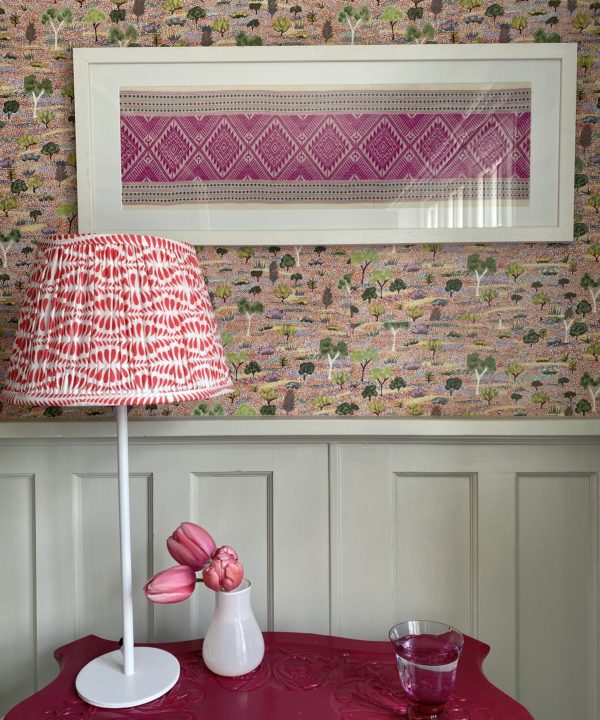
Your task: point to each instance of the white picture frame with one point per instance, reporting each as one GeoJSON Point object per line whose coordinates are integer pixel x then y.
{"type": "Point", "coordinates": [101, 74]}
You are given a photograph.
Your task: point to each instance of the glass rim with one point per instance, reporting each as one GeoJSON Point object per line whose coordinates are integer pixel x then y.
{"type": "Point", "coordinates": [435, 625]}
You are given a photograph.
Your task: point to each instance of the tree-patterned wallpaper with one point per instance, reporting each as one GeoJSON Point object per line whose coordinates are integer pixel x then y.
{"type": "Point", "coordinates": [481, 330]}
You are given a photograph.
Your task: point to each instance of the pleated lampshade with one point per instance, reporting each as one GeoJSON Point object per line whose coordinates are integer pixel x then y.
{"type": "Point", "coordinates": [115, 320]}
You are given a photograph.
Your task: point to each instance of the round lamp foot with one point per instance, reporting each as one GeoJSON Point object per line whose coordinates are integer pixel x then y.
{"type": "Point", "coordinates": [102, 683]}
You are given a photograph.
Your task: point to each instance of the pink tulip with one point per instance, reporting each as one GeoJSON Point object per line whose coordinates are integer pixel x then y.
{"type": "Point", "coordinates": [172, 585]}
{"type": "Point", "coordinates": [224, 571]}
{"type": "Point", "coordinates": [191, 545]}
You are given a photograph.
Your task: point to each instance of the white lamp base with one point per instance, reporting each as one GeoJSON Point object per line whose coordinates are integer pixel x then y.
{"type": "Point", "coordinates": [102, 682]}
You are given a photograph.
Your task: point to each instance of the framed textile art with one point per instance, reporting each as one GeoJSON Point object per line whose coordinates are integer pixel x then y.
{"type": "Point", "coordinates": [369, 144]}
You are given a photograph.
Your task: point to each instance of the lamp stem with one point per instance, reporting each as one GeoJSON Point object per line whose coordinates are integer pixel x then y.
{"type": "Point", "coordinates": [125, 538]}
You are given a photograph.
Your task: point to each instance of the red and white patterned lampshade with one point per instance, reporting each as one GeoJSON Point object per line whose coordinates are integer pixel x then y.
{"type": "Point", "coordinates": [115, 320]}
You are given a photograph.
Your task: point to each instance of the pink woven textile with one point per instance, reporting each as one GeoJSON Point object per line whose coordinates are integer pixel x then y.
{"type": "Point", "coordinates": [352, 145]}
{"type": "Point", "coordinates": [115, 320]}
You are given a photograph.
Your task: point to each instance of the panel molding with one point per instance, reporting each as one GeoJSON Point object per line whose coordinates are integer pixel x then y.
{"type": "Point", "coordinates": [18, 666]}
{"type": "Point", "coordinates": [473, 561]}
{"type": "Point", "coordinates": [593, 594]}
{"type": "Point", "coordinates": [79, 520]}
{"type": "Point", "coordinates": [470, 431]}
{"type": "Point", "coordinates": [267, 475]}
{"type": "Point", "coordinates": [323, 508]}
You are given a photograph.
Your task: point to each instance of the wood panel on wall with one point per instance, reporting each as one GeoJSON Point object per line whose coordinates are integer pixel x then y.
{"type": "Point", "coordinates": [341, 537]}
{"type": "Point", "coordinates": [17, 600]}
{"type": "Point", "coordinates": [557, 598]}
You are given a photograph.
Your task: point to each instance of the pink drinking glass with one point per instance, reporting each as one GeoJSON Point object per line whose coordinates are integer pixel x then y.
{"type": "Point", "coordinates": [427, 653]}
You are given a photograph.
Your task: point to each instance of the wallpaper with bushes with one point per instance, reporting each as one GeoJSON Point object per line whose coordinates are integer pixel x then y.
{"type": "Point", "coordinates": [482, 330]}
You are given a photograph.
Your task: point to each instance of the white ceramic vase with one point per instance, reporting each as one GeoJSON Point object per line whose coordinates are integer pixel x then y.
{"type": "Point", "coordinates": [233, 644]}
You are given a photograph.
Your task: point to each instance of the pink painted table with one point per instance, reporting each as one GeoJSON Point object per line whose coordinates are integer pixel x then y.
{"type": "Point", "coordinates": [313, 677]}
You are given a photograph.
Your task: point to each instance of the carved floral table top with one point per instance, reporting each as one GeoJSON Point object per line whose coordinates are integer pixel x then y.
{"type": "Point", "coordinates": [302, 676]}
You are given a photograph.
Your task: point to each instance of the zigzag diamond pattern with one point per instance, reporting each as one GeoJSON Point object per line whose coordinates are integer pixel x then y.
{"type": "Point", "coordinates": [383, 146]}
{"type": "Point", "coordinates": [173, 149]}
{"type": "Point", "coordinates": [223, 147]}
{"type": "Point", "coordinates": [275, 147]}
{"type": "Point", "coordinates": [334, 147]}
{"type": "Point", "coordinates": [328, 147]}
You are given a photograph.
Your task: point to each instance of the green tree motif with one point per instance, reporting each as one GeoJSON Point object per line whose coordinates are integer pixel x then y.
{"type": "Point", "coordinates": [381, 376]}
{"type": "Point", "coordinates": [9, 240]}
{"type": "Point", "coordinates": [515, 270]}
{"type": "Point", "coordinates": [268, 394]}
{"type": "Point", "coordinates": [519, 23]}
{"type": "Point", "coordinates": [382, 278]}
{"type": "Point", "coordinates": [243, 40]}
{"type": "Point", "coordinates": [223, 292]}
{"type": "Point", "coordinates": [345, 283]}
{"type": "Point", "coordinates": [592, 285]}
{"type": "Point", "coordinates": [36, 88]}
{"type": "Point", "coordinates": [122, 38]}
{"type": "Point", "coordinates": [363, 358]}
{"type": "Point", "coordinates": [394, 327]}
{"type": "Point", "coordinates": [45, 117]}
{"type": "Point", "coordinates": [453, 285]}
{"type": "Point", "coordinates": [593, 349]}
{"type": "Point", "coordinates": [392, 16]}
{"type": "Point", "coordinates": [488, 295]}
{"type": "Point", "coordinates": [541, 299]}
{"type": "Point", "coordinates": [480, 367]}
{"type": "Point", "coordinates": [287, 262]}
{"type": "Point", "coordinates": [581, 21]}
{"type": "Point", "coordinates": [594, 202]}
{"type": "Point", "coordinates": [582, 407]}
{"type": "Point", "coordinates": [306, 369]}
{"type": "Point", "coordinates": [252, 368]}
{"type": "Point", "coordinates": [397, 384]}
{"type": "Point", "coordinates": [287, 331]}
{"type": "Point", "coordinates": [18, 186]}
{"type": "Point", "coordinates": [332, 351]}
{"type": "Point", "coordinates": [321, 402]}
{"type": "Point", "coordinates": [494, 11]}
{"type": "Point", "coordinates": [95, 18]}
{"type": "Point", "coordinates": [363, 259]}
{"type": "Point", "coordinates": [414, 312]}
{"type": "Point", "coordinates": [245, 253]}
{"type": "Point", "coordinates": [282, 24]}
{"type": "Point", "coordinates": [245, 410]}
{"type": "Point", "coordinates": [531, 337]}
{"type": "Point", "coordinates": [515, 369]}
{"type": "Point", "coordinates": [592, 385]}
{"type": "Point", "coordinates": [480, 267]}
{"type": "Point", "coordinates": [578, 329]}
{"type": "Point", "coordinates": [236, 360]}
{"type": "Point", "coordinates": [489, 393]}
{"type": "Point", "coordinates": [453, 384]}
{"type": "Point", "coordinates": [10, 107]}
{"type": "Point", "coordinates": [282, 292]}
{"type": "Point", "coordinates": [221, 25]}
{"type": "Point", "coordinates": [8, 204]}
{"type": "Point", "coordinates": [353, 17]}
{"type": "Point", "coordinates": [68, 211]}
{"type": "Point", "coordinates": [377, 310]}
{"type": "Point", "coordinates": [340, 378]}
{"type": "Point", "coordinates": [35, 183]}
{"type": "Point", "coordinates": [55, 18]}
{"type": "Point", "coordinates": [433, 346]}
{"type": "Point", "coordinates": [397, 286]}
{"type": "Point", "coordinates": [369, 294]}
{"type": "Point", "coordinates": [196, 13]}
{"type": "Point", "coordinates": [249, 309]}
{"type": "Point", "coordinates": [346, 409]}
